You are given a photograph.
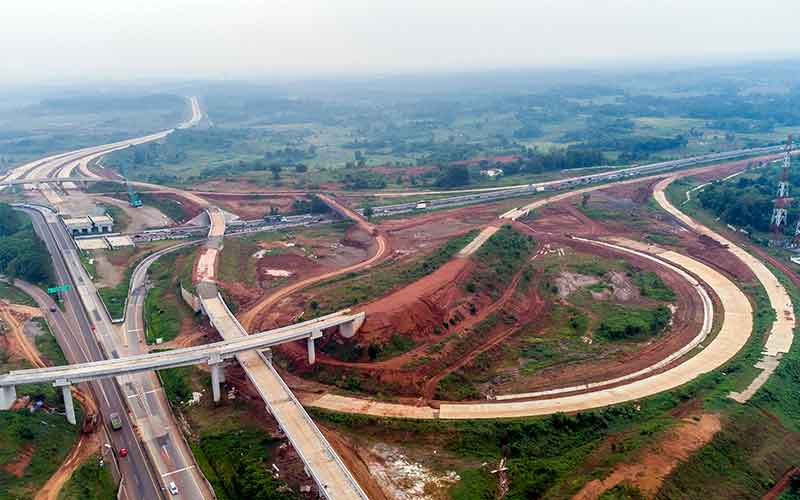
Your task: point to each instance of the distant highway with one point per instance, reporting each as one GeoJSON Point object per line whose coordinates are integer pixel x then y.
{"type": "Point", "coordinates": [50, 166]}
{"type": "Point", "coordinates": [482, 195]}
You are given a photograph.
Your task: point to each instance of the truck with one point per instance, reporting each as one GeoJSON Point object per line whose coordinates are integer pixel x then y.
{"type": "Point", "coordinates": [116, 421]}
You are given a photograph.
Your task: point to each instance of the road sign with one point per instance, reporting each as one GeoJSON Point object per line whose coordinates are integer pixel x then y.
{"type": "Point", "coordinates": [56, 289]}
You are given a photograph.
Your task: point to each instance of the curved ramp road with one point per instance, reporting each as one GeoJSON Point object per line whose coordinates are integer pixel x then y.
{"type": "Point", "coordinates": [780, 337]}
{"type": "Point", "coordinates": [735, 330]}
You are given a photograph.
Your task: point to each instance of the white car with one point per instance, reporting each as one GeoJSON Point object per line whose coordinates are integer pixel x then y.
{"type": "Point", "coordinates": [173, 488]}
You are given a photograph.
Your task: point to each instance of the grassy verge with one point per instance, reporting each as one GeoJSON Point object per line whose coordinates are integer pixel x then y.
{"type": "Point", "coordinates": [164, 309]}
{"type": "Point", "coordinates": [47, 344]}
{"type": "Point", "coordinates": [356, 288]}
{"type": "Point", "coordinates": [474, 484]}
{"type": "Point", "coordinates": [88, 263]}
{"type": "Point", "coordinates": [90, 482]}
{"type": "Point", "coordinates": [114, 297]}
{"type": "Point", "coordinates": [171, 208]}
{"type": "Point", "coordinates": [177, 384]}
{"type": "Point", "coordinates": [15, 295]}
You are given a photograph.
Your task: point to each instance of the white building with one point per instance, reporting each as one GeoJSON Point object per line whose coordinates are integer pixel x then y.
{"type": "Point", "coordinates": [492, 172]}
{"type": "Point", "coordinates": [90, 224]}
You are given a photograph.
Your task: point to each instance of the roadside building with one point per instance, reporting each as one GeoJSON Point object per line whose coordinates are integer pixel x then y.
{"type": "Point", "coordinates": [89, 224]}
{"type": "Point", "coordinates": [492, 172]}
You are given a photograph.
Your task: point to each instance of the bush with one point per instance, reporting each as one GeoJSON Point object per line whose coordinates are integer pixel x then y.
{"type": "Point", "coordinates": [628, 323]}
{"type": "Point", "coordinates": [500, 258]}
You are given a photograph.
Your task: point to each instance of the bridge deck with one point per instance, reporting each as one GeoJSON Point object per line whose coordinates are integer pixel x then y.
{"type": "Point", "coordinates": [321, 461]}
{"type": "Point", "coordinates": [179, 357]}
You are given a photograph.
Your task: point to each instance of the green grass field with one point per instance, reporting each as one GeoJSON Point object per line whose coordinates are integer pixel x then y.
{"type": "Point", "coordinates": [90, 482]}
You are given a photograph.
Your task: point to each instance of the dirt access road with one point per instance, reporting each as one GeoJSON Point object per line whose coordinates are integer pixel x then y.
{"type": "Point", "coordinates": [88, 442]}
{"type": "Point", "coordinates": [249, 318]}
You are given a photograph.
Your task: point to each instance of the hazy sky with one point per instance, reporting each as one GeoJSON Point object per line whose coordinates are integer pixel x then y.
{"type": "Point", "coordinates": [73, 40]}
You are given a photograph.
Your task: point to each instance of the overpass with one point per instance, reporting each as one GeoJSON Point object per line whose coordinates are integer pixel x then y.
{"type": "Point", "coordinates": [212, 354]}
{"type": "Point", "coordinates": [322, 463]}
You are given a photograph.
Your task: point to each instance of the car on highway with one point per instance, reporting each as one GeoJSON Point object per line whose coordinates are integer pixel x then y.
{"type": "Point", "coordinates": [173, 488]}
{"type": "Point", "coordinates": [116, 421]}
{"type": "Point", "coordinates": [123, 452]}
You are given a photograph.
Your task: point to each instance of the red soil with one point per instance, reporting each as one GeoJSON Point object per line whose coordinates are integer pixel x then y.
{"type": "Point", "coordinates": [252, 207]}
{"type": "Point", "coordinates": [20, 464]}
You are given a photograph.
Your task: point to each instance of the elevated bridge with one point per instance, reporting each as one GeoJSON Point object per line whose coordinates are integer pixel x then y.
{"type": "Point", "coordinates": [322, 463]}
{"type": "Point", "coordinates": [212, 354]}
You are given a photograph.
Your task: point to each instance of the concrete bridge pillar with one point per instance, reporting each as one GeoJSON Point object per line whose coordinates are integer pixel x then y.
{"type": "Point", "coordinates": [312, 354]}
{"type": "Point", "coordinates": [8, 394]}
{"type": "Point", "coordinates": [347, 330]}
{"type": "Point", "coordinates": [69, 406]}
{"type": "Point", "coordinates": [216, 376]}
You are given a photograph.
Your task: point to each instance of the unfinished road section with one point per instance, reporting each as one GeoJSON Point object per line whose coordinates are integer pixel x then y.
{"type": "Point", "coordinates": [781, 334]}
{"type": "Point", "coordinates": [736, 325]}
{"type": "Point", "coordinates": [322, 463]}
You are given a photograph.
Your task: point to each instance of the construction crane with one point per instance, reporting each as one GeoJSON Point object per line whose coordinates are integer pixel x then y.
{"type": "Point", "coordinates": [133, 197]}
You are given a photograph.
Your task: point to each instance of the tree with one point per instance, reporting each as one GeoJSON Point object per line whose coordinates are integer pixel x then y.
{"type": "Point", "coordinates": [276, 171]}
{"type": "Point", "coordinates": [369, 212]}
{"type": "Point", "coordinates": [453, 177]}
{"type": "Point", "coordinates": [10, 220]}
{"type": "Point", "coordinates": [300, 168]}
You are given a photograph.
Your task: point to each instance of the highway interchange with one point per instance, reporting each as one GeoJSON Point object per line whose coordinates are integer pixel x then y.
{"type": "Point", "coordinates": [86, 333]}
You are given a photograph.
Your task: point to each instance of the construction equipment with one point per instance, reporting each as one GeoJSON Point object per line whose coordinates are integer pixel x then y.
{"type": "Point", "coordinates": [133, 197]}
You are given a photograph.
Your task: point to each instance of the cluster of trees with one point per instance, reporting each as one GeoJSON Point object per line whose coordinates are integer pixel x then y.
{"type": "Point", "coordinates": [534, 161]}
{"type": "Point", "coordinates": [451, 177]}
{"type": "Point", "coordinates": [290, 155]}
{"type": "Point", "coordinates": [22, 254]}
{"type": "Point", "coordinates": [364, 179]}
{"type": "Point", "coordinates": [242, 166]}
{"type": "Point", "coordinates": [744, 203]}
{"type": "Point", "coordinates": [313, 205]}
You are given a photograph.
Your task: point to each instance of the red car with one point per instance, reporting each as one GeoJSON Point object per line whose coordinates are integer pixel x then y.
{"type": "Point", "coordinates": [123, 452]}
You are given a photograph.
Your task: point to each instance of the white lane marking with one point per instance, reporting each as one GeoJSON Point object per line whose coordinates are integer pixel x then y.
{"type": "Point", "coordinates": [177, 471]}
{"type": "Point", "coordinates": [137, 394]}
{"type": "Point", "coordinates": [103, 392]}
